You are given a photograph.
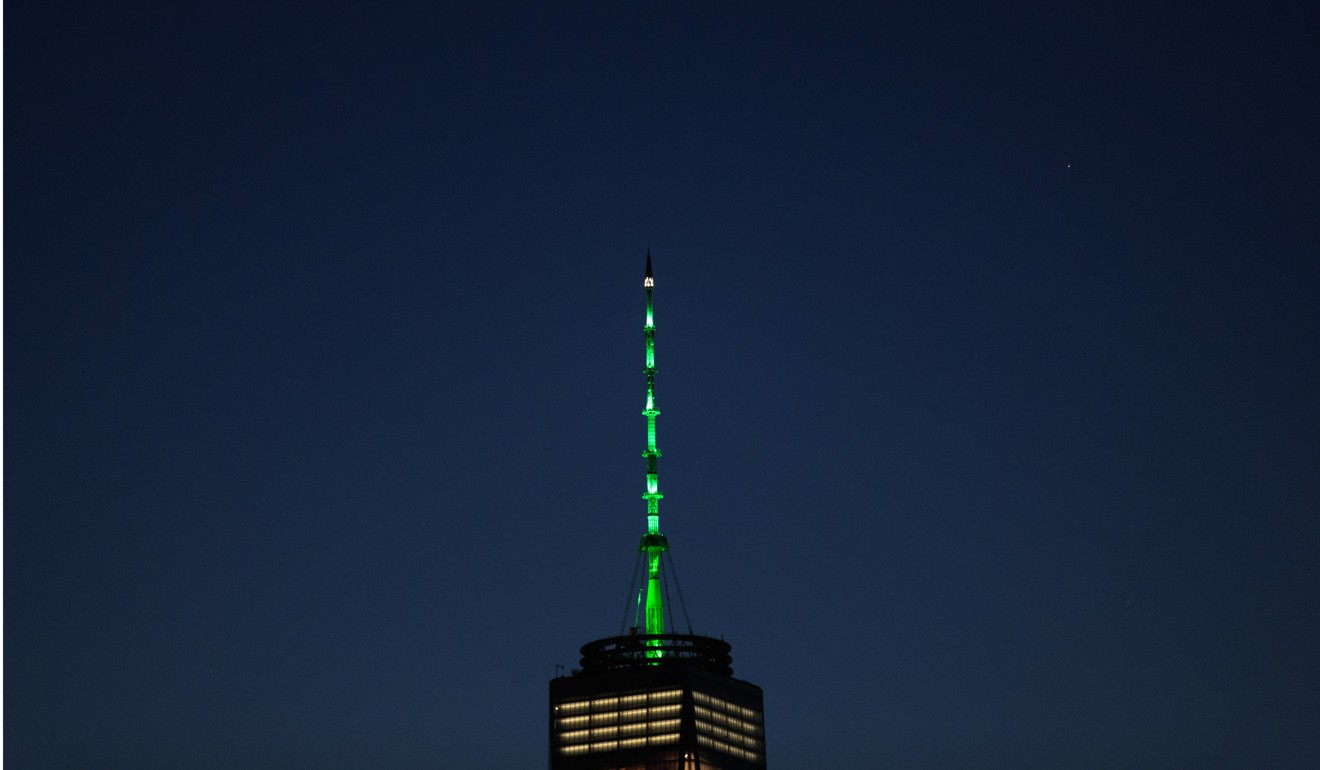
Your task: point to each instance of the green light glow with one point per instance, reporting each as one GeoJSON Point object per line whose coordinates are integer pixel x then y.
{"type": "Point", "coordinates": [655, 606]}
{"type": "Point", "coordinates": [653, 542]}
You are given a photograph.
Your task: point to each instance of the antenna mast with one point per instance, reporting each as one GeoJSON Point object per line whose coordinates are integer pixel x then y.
{"type": "Point", "coordinates": [654, 544]}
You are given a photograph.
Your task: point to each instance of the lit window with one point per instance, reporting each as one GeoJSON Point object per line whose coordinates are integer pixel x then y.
{"type": "Point", "coordinates": [732, 735]}
{"type": "Point", "coordinates": [736, 751]}
{"type": "Point", "coordinates": [727, 707]}
{"type": "Point", "coordinates": [575, 707]}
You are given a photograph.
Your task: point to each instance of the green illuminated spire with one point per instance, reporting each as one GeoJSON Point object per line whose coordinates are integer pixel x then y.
{"type": "Point", "coordinates": [654, 543]}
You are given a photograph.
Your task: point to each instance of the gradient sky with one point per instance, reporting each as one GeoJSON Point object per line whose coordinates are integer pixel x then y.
{"type": "Point", "coordinates": [989, 358]}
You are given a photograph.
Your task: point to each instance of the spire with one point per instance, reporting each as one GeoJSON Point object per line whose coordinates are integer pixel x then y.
{"type": "Point", "coordinates": [654, 544]}
{"type": "Point", "coordinates": [651, 454]}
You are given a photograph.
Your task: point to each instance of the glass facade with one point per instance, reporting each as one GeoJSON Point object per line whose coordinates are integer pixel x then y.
{"type": "Point", "coordinates": [687, 719]}
{"type": "Point", "coordinates": [617, 722]}
{"type": "Point", "coordinates": [729, 728]}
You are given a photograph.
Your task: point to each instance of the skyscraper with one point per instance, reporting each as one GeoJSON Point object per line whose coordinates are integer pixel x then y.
{"type": "Point", "coordinates": [647, 699]}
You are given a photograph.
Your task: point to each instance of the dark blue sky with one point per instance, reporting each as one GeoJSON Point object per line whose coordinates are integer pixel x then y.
{"type": "Point", "coordinates": [988, 367]}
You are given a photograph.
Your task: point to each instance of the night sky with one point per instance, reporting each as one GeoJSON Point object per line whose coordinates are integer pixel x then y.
{"type": "Point", "coordinates": [989, 350]}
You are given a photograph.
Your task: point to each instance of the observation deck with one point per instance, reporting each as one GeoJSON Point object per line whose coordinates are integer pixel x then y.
{"type": "Point", "coordinates": [639, 651]}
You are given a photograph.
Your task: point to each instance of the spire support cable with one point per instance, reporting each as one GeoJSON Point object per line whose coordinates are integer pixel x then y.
{"type": "Point", "coordinates": [628, 600]}
{"type": "Point", "coordinates": [678, 588]}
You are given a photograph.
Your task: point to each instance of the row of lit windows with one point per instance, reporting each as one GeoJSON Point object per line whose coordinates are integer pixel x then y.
{"type": "Point", "coordinates": [731, 736]}
{"type": "Point", "coordinates": [733, 723]}
{"type": "Point", "coordinates": [619, 745]}
{"type": "Point", "coordinates": [732, 709]}
{"type": "Point", "coordinates": [727, 748]}
{"type": "Point", "coordinates": [637, 728]}
{"type": "Point", "coordinates": [614, 717]}
{"type": "Point", "coordinates": [616, 702]}
{"type": "Point", "coordinates": [570, 723]}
